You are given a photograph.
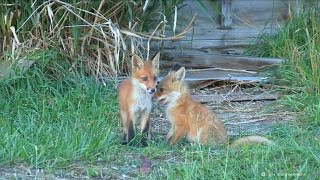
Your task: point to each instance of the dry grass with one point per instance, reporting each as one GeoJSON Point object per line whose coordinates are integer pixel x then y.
{"type": "Point", "coordinates": [98, 37]}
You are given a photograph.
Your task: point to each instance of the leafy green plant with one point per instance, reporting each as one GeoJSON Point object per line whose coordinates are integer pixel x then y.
{"type": "Point", "coordinates": [297, 43]}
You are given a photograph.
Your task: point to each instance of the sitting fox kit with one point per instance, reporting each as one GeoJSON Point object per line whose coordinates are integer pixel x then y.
{"type": "Point", "coordinates": [135, 97]}
{"type": "Point", "coordinates": [191, 119]}
{"type": "Point", "coordinates": [188, 118]}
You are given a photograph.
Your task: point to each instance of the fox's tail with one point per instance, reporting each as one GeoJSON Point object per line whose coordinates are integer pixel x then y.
{"type": "Point", "coordinates": [252, 140]}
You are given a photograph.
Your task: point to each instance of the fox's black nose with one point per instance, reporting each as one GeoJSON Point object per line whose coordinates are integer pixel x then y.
{"type": "Point", "coordinates": [153, 90]}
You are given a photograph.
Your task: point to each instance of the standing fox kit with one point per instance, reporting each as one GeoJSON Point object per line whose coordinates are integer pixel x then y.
{"type": "Point", "coordinates": [135, 97]}
{"type": "Point", "coordinates": [191, 119]}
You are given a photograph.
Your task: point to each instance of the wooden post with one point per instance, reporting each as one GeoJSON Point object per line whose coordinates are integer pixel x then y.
{"type": "Point", "coordinates": [298, 7]}
{"type": "Point", "coordinates": [226, 19]}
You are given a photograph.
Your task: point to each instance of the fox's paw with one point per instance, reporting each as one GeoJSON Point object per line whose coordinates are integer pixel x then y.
{"type": "Point", "coordinates": [168, 137]}
{"type": "Point", "coordinates": [143, 143]}
{"type": "Point", "coordinates": [124, 143]}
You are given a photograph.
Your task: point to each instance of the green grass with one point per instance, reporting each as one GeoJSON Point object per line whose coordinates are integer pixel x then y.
{"type": "Point", "coordinates": [297, 43]}
{"type": "Point", "coordinates": [65, 122]}
{"type": "Point", "coordinates": [49, 118]}
{"type": "Point", "coordinates": [55, 120]}
{"type": "Point", "coordinates": [297, 149]}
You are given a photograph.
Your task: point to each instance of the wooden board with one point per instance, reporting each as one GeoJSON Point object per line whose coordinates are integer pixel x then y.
{"type": "Point", "coordinates": [203, 77]}
{"type": "Point", "coordinates": [6, 68]}
{"type": "Point", "coordinates": [234, 97]}
{"type": "Point", "coordinates": [200, 78]}
{"type": "Point", "coordinates": [217, 61]}
{"type": "Point", "coordinates": [247, 20]}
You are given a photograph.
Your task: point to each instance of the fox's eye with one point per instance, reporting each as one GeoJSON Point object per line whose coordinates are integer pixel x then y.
{"type": "Point", "coordinates": [144, 78]}
{"type": "Point", "coordinates": [155, 78]}
{"type": "Point", "coordinates": [161, 89]}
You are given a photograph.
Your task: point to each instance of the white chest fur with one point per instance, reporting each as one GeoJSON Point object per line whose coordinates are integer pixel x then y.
{"type": "Point", "coordinates": [143, 100]}
{"type": "Point", "coordinates": [172, 103]}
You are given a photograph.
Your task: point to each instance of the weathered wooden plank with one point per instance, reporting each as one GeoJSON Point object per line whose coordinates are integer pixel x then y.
{"type": "Point", "coordinates": [204, 40]}
{"type": "Point", "coordinates": [226, 20]}
{"type": "Point", "coordinates": [259, 13]}
{"type": "Point", "coordinates": [196, 76]}
{"type": "Point", "coordinates": [217, 61]}
{"type": "Point", "coordinates": [205, 46]}
{"type": "Point", "coordinates": [298, 7]}
{"type": "Point", "coordinates": [6, 68]}
{"type": "Point", "coordinates": [201, 84]}
{"type": "Point", "coordinates": [234, 97]}
{"type": "Point", "coordinates": [251, 13]}
{"type": "Point", "coordinates": [203, 43]}
{"type": "Point", "coordinates": [241, 32]}
{"type": "Point", "coordinates": [247, 19]}
{"type": "Point", "coordinates": [201, 76]}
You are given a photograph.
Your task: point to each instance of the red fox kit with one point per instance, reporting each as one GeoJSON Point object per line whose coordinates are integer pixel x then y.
{"type": "Point", "coordinates": [135, 96]}
{"type": "Point", "coordinates": [191, 119]}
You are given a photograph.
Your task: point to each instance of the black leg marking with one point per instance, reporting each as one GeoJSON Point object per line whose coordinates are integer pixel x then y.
{"type": "Point", "coordinates": [124, 138]}
{"type": "Point", "coordinates": [145, 132]}
{"type": "Point", "coordinates": [130, 131]}
{"type": "Point", "coordinates": [146, 128]}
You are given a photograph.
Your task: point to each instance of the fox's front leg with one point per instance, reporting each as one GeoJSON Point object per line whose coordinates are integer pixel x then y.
{"type": "Point", "coordinates": [170, 133]}
{"type": "Point", "coordinates": [129, 129]}
{"type": "Point", "coordinates": [127, 126]}
{"type": "Point", "coordinates": [178, 134]}
{"type": "Point", "coordinates": [145, 127]}
{"type": "Point", "coordinates": [124, 120]}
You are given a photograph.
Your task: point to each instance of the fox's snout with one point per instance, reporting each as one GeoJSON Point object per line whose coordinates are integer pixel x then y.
{"type": "Point", "coordinates": [159, 97]}
{"type": "Point", "coordinates": [151, 90]}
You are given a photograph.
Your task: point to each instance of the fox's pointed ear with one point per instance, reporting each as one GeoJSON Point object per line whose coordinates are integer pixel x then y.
{"type": "Point", "coordinates": [180, 74]}
{"type": "Point", "coordinates": [155, 61]}
{"type": "Point", "coordinates": [137, 62]}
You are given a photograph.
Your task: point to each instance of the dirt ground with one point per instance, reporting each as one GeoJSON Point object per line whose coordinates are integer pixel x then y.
{"type": "Point", "coordinates": [240, 118]}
